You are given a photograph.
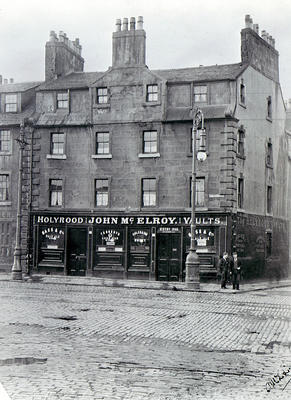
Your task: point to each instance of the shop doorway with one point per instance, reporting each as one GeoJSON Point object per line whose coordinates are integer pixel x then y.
{"type": "Point", "coordinates": [77, 252]}
{"type": "Point", "coordinates": [168, 256]}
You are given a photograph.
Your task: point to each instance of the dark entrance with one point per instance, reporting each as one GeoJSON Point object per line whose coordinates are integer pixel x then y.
{"type": "Point", "coordinates": [77, 251]}
{"type": "Point", "coordinates": [168, 256]}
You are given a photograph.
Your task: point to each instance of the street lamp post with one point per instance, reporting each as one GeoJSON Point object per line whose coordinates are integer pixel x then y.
{"type": "Point", "coordinates": [16, 268]}
{"type": "Point", "coordinates": [192, 261]}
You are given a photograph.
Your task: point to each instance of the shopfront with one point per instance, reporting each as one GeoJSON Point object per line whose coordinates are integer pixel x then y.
{"type": "Point", "coordinates": [150, 247]}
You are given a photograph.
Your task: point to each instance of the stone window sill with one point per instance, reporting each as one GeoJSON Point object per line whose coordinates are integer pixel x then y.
{"type": "Point", "coordinates": [151, 103]}
{"type": "Point", "coordinates": [56, 156]}
{"type": "Point", "coordinates": [5, 203]}
{"type": "Point", "coordinates": [101, 156]}
{"type": "Point", "coordinates": [101, 105]}
{"type": "Point", "coordinates": [149, 155]}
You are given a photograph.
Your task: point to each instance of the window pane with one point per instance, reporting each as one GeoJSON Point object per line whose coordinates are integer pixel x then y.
{"type": "Point", "coordinates": [150, 144]}
{"type": "Point", "coordinates": [102, 95]}
{"type": "Point", "coordinates": [149, 195]}
{"type": "Point", "coordinates": [152, 92]}
{"type": "Point", "coordinates": [102, 143]}
{"type": "Point", "coordinates": [56, 192]}
{"type": "Point", "coordinates": [200, 94]}
{"type": "Point", "coordinates": [5, 141]}
{"type": "Point", "coordinates": [62, 100]}
{"type": "Point", "coordinates": [4, 182]}
{"type": "Point", "coordinates": [101, 192]}
{"type": "Point", "coordinates": [57, 145]}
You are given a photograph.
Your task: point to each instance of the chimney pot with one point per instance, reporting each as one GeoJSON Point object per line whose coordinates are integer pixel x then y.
{"type": "Point", "coordinates": [132, 23]}
{"type": "Point", "coordinates": [0, 79]}
{"type": "Point", "coordinates": [5, 81]}
{"type": "Point", "coordinates": [118, 25]}
{"type": "Point", "coordinates": [61, 36]}
{"type": "Point", "coordinates": [140, 22]}
{"type": "Point", "coordinates": [264, 35]}
{"type": "Point", "coordinates": [53, 36]}
{"type": "Point", "coordinates": [247, 21]}
{"type": "Point", "coordinates": [11, 80]}
{"type": "Point", "coordinates": [256, 28]}
{"type": "Point", "coordinates": [125, 24]}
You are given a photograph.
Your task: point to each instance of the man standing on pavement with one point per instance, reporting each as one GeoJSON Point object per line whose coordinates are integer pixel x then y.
{"type": "Point", "coordinates": [224, 270]}
{"type": "Point", "coordinates": [236, 270]}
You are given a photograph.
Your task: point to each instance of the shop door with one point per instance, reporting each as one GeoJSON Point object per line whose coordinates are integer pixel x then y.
{"type": "Point", "coordinates": [168, 256]}
{"type": "Point", "coordinates": [77, 251]}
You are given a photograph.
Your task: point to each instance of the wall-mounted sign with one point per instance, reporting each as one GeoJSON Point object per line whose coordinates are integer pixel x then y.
{"type": "Point", "coordinates": [135, 220]}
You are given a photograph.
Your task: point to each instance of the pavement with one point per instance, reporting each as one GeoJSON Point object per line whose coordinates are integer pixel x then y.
{"type": "Point", "coordinates": [211, 286]}
{"type": "Point", "coordinates": [66, 338]}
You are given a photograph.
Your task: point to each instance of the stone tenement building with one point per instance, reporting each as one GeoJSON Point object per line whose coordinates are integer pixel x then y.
{"type": "Point", "coordinates": [107, 166]}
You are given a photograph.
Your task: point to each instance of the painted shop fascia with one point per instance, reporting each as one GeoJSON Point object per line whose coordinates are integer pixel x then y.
{"type": "Point", "coordinates": [129, 220]}
{"type": "Point", "coordinates": [139, 246]}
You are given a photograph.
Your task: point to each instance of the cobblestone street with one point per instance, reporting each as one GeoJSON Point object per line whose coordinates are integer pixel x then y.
{"type": "Point", "coordinates": [62, 341]}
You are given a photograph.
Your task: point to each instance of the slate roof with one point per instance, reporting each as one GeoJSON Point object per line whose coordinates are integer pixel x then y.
{"type": "Point", "coordinates": [54, 119]}
{"type": "Point", "coordinates": [16, 118]}
{"type": "Point", "coordinates": [209, 112]}
{"type": "Point", "coordinates": [209, 73]}
{"type": "Point", "coordinates": [18, 87]}
{"type": "Point", "coordinates": [74, 80]}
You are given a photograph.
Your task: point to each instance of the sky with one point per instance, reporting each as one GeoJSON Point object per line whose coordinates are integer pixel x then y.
{"type": "Point", "coordinates": [180, 33]}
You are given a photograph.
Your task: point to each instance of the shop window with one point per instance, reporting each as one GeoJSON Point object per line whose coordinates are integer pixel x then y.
{"type": "Point", "coordinates": [149, 192]}
{"type": "Point", "coordinates": [101, 192]}
{"type": "Point", "coordinates": [242, 93]}
{"type": "Point", "coordinates": [4, 187]}
{"type": "Point", "coordinates": [269, 155]}
{"type": "Point", "coordinates": [102, 95]}
{"type": "Point", "coordinates": [62, 100]}
{"type": "Point", "coordinates": [269, 107]}
{"type": "Point", "coordinates": [140, 241]}
{"type": "Point", "coordinates": [102, 143]}
{"type": "Point", "coordinates": [199, 193]}
{"type": "Point", "coordinates": [241, 142]}
{"type": "Point", "coordinates": [5, 142]}
{"type": "Point", "coordinates": [269, 199]}
{"type": "Point", "coordinates": [240, 192]}
{"type": "Point", "coordinates": [57, 143]}
{"type": "Point", "coordinates": [11, 103]}
{"type": "Point", "coordinates": [269, 244]}
{"type": "Point", "coordinates": [200, 94]}
{"type": "Point", "coordinates": [56, 192]}
{"type": "Point", "coordinates": [152, 93]}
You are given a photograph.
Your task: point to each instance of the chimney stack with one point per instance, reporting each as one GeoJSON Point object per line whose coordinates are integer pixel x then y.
{"type": "Point", "coordinates": [259, 51]}
{"type": "Point", "coordinates": [0, 79]}
{"type": "Point", "coordinates": [62, 56]}
{"type": "Point", "coordinates": [128, 45]}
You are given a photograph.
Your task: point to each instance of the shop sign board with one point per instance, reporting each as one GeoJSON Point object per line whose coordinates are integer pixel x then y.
{"type": "Point", "coordinates": [132, 220]}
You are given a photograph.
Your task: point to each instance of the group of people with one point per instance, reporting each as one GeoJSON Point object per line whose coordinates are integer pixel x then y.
{"type": "Point", "coordinates": [229, 270]}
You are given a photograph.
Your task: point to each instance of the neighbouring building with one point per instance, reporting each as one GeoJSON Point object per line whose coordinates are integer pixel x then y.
{"type": "Point", "coordinates": [112, 156]}
{"type": "Point", "coordinates": [17, 104]}
{"type": "Point", "coordinates": [288, 181]}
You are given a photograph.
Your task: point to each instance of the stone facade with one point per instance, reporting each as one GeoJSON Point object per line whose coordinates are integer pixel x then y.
{"type": "Point", "coordinates": [125, 235]}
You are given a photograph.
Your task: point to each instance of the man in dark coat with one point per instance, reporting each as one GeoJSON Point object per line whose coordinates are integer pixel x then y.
{"type": "Point", "coordinates": [236, 270]}
{"type": "Point", "coordinates": [224, 270]}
